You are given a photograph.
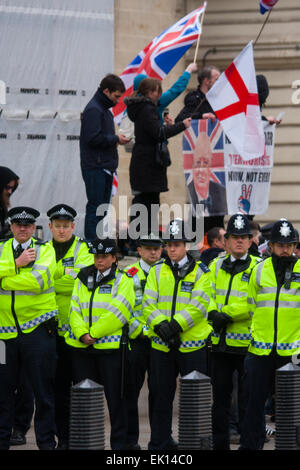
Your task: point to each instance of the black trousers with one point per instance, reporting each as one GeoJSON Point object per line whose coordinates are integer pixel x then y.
{"type": "Point", "coordinates": [258, 381]}
{"type": "Point", "coordinates": [223, 366]}
{"type": "Point", "coordinates": [63, 382]}
{"type": "Point", "coordinates": [164, 370]}
{"type": "Point", "coordinates": [24, 403]}
{"type": "Point", "coordinates": [138, 366]}
{"type": "Point", "coordinates": [35, 352]}
{"type": "Point", "coordinates": [105, 368]}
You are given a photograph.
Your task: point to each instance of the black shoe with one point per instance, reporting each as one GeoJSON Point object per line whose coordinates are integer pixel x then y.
{"type": "Point", "coordinates": [133, 447]}
{"type": "Point", "coordinates": [173, 445]}
{"type": "Point", "coordinates": [17, 438]}
{"type": "Point", "coordinates": [62, 445]}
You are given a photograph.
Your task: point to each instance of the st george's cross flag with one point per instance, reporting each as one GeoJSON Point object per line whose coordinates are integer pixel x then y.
{"type": "Point", "coordinates": [161, 54]}
{"type": "Point", "coordinates": [234, 99]}
{"type": "Point", "coordinates": [266, 5]}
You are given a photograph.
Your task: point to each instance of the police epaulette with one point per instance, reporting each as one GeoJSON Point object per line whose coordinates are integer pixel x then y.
{"type": "Point", "coordinates": [124, 272]}
{"type": "Point", "coordinates": [83, 240]}
{"type": "Point", "coordinates": [203, 266]}
{"type": "Point", "coordinates": [161, 261]}
{"type": "Point", "coordinates": [40, 242]}
{"type": "Point", "coordinates": [4, 240]}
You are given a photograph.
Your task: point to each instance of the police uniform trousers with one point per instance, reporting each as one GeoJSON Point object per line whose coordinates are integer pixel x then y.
{"type": "Point", "coordinates": [223, 367]}
{"type": "Point", "coordinates": [164, 370]}
{"type": "Point", "coordinates": [24, 403]}
{"type": "Point", "coordinates": [63, 382]}
{"type": "Point", "coordinates": [105, 368]}
{"type": "Point", "coordinates": [36, 353]}
{"type": "Point", "coordinates": [259, 377]}
{"type": "Point", "coordinates": [138, 366]}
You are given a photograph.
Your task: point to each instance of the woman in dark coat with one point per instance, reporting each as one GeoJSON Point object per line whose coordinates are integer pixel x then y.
{"type": "Point", "coordinates": [148, 178]}
{"type": "Point", "coordinates": [8, 184]}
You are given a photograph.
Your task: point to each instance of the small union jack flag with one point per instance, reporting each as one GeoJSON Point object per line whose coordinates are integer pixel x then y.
{"type": "Point", "coordinates": [162, 54]}
{"type": "Point", "coordinates": [266, 5]}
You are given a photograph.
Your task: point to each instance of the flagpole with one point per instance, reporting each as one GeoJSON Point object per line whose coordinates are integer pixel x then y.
{"type": "Point", "coordinates": [261, 29]}
{"type": "Point", "coordinates": [200, 31]}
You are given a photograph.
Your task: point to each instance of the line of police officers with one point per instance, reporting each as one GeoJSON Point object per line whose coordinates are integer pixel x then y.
{"type": "Point", "coordinates": [170, 308]}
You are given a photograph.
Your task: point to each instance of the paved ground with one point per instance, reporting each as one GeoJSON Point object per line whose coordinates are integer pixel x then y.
{"type": "Point", "coordinates": [144, 428]}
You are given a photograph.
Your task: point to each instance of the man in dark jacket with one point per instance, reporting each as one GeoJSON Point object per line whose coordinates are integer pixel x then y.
{"type": "Point", "coordinates": [8, 184]}
{"type": "Point", "coordinates": [195, 103]}
{"type": "Point", "coordinates": [98, 148]}
{"type": "Point", "coordinates": [216, 242]}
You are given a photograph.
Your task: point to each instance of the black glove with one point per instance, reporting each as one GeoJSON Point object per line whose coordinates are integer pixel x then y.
{"type": "Point", "coordinates": [164, 331]}
{"type": "Point", "coordinates": [219, 320]}
{"type": "Point", "coordinates": [175, 342]}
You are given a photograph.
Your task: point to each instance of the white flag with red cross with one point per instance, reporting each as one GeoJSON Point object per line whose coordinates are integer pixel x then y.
{"type": "Point", "coordinates": [234, 99]}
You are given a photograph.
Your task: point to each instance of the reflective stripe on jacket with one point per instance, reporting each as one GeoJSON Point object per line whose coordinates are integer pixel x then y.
{"type": "Point", "coordinates": [275, 311]}
{"type": "Point", "coordinates": [186, 300]}
{"type": "Point", "coordinates": [102, 312]}
{"type": "Point", "coordinates": [77, 257]}
{"type": "Point", "coordinates": [229, 295]}
{"type": "Point", "coordinates": [27, 295]}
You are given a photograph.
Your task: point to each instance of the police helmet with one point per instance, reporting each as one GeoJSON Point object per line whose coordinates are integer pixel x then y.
{"type": "Point", "coordinates": [176, 231]}
{"type": "Point", "coordinates": [238, 224]}
{"type": "Point", "coordinates": [283, 232]}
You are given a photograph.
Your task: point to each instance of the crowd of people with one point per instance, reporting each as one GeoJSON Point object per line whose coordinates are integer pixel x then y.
{"type": "Point", "coordinates": [69, 313]}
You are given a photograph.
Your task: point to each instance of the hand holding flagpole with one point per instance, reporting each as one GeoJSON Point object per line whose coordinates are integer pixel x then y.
{"type": "Point", "coordinates": [200, 32]}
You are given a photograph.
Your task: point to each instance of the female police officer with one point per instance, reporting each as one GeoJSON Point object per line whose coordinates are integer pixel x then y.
{"type": "Point", "coordinates": [101, 305]}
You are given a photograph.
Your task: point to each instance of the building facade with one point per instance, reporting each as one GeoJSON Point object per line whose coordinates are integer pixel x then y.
{"type": "Point", "coordinates": [228, 26]}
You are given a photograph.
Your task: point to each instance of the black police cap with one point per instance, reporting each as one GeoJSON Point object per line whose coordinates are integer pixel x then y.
{"type": "Point", "coordinates": [283, 232]}
{"type": "Point", "coordinates": [238, 224]}
{"type": "Point", "coordinates": [62, 211]}
{"type": "Point", "coordinates": [23, 215]}
{"type": "Point", "coordinates": [149, 240]}
{"type": "Point", "coordinates": [103, 246]}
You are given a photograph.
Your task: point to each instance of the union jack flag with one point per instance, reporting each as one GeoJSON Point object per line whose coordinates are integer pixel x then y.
{"type": "Point", "coordinates": [266, 5]}
{"type": "Point", "coordinates": [215, 164]}
{"type": "Point", "coordinates": [162, 54]}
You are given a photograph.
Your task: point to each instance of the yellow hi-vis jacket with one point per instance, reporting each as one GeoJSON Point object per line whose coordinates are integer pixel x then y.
{"type": "Point", "coordinates": [100, 309]}
{"type": "Point", "coordinates": [275, 311]}
{"type": "Point", "coordinates": [229, 295]}
{"type": "Point", "coordinates": [137, 322]}
{"type": "Point", "coordinates": [27, 296]}
{"type": "Point", "coordinates": [76, 257]}
{"type": "Point", "coordinates": [186, 300]}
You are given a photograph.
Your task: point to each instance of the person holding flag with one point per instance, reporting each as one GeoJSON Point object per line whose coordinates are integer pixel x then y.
{"type": "Point", "coordinates": [148, 178]}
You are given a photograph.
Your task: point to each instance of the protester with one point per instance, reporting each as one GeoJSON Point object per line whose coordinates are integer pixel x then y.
{"type": "Point", "coordinates": [147, 177]}
{"type": "Point", "coordinates": [98, 149]}
{"type": "Point", "coordinates": [9, 182]}
{"type": "Point", "coordinates": [195, 102]}
{"type": "Point", "coordinates": [215, 240]}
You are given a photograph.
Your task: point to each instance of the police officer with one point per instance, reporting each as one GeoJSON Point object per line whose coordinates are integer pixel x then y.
{"type": "Point", "coordinates": [274, 306]}
{"type": "Point", "coordinates": [175, 305]}
{"type": "Point", "coordinates": [149, 248]}
{"type": "Point", "coordinates": [228, 312]}
{"type": "Point", "coordinates": [72, 254]}
{"type": "Point", "coordinates": [101, 306]}
{"type": "Point", "coordinates": [27, 324]}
